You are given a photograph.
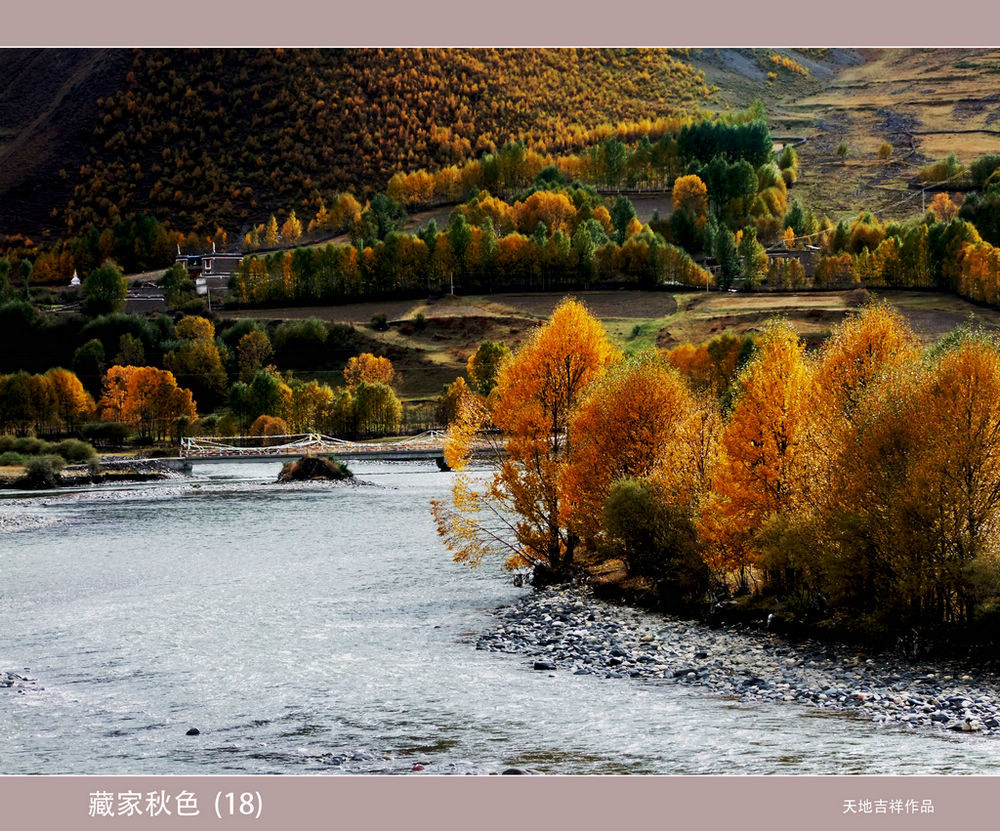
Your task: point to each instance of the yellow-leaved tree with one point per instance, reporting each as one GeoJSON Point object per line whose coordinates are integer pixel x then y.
{"type": "Point", "coordinates": [146, 398]}
{"type": "Point", "coordinates": [800, 546]}
{"type": "Point", "coordinates": [73, 404]}
{"type": "Point", "coordinates": [764, 467]}
{"type": "Point", "coordinates": [638, 421]}
{"type": "Point", "coordinates": [291, 229]}
{"type": "Point", "coordinates": [366, 368]}
{"type": "Point", "coordinates": [918, 491]}
{"type": "Point", "coordinates": [518, 510]}
{"type": "Point", "coordinates": [871, 343]}
{"type": "Point", "coordinates": [690, 194]}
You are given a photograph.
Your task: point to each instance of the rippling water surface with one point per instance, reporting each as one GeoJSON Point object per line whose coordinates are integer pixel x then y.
{"type": "Point", "coordinates": [318, 629]}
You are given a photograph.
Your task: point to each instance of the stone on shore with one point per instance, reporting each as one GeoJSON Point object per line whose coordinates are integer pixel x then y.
{"type": "Point", "coordinates": [568, 627]}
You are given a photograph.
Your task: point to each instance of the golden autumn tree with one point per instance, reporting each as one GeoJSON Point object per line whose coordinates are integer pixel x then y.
{"type": "Point", "coordinates": [691, 361]}
{"type": "Point", "coordinates": [634, 227]}
{"type": "Point", "coordinates": [291, 228]}
{"type": "Point", "coordinates": [344, 212]}
{"type": "Point", "coordinates": [450, 400]}
{"type": "Point", "coordinates": [193, 327]}
{"type": "Point", "coordinates": [322, 218]}
{"type": "Point", "coordinates": [637, 421]}
{"type": "Point", "coordinates": [308, 406]}
{"type": "Point", "coordinates": [253, 352]}
{"type": "Point", "coordinates": [711, 366]}
{"type": "Point", "coordinates": [531, 406]}
{"type": "Point", "coordinates": [146, 398]}
{"type": "Point", "coordinates": [197, 363]}
{"type": "Point", "coordinates": [796, 546]}
{"type": "Point", "coordinates": [271, 232]}
{"type": "Point", "coordinates": [690, 194]}
{"type": "Point", "coordinates": [865, 346]}
{"type": "Point", "coordinates": [764, 462]}
{"type": "Point", "coordinates": [918, 491]}
{"type": "Point", "coordinates": [366, 368]}
{"type": "Point", "coordinates": [555, 209]}
{"type": "Point", "coordinates": [943, 208]}
{"type": "Point", "coordinates": [73, 404]}
{"type": "Point", "coordinates": [266, 425]}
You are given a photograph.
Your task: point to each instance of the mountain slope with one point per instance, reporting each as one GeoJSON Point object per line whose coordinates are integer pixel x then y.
{"type": "Point", "coordinates": [222, 137]}
{"type": "Point", "coordinates": [48, 109]}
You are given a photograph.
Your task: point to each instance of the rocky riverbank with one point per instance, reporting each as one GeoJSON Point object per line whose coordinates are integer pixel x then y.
{"type": "Point", "coordinates": [29, 513]}
{"type": "Point", "coordinates": [110, 471]}
{"type": "Point", "coordinates": [14, 519]}
{"type": "Point", "coordinates": [566, 629]}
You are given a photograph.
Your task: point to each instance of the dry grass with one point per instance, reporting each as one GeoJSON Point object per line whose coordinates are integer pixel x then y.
{"type": "Point", "coordinates": [895, 96]}
{"type": "Point", "coordinates": [929, 314]}
{"type": "Point", "coordinates": [932, 315]}
{"type": "Point", "coordinates": [434, 356]}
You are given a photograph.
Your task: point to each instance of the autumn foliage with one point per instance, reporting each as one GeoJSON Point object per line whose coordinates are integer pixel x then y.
{"type": "Point", "coordinates": [636, 422]}
{"type": "Point", "coordinates": [763, 467]}
{"type": "Point", "coordinates": [856, 487]}
{"type": "Point", "coordinates": [367, 368]}
{"type": "Point", "coordinates": [39, 403]}
{"type": "Point", "coordinates": [536, 393]}
{"type": "Point", "coordinates": [204, 139]}
{"type": "Point", "coordinates": [146, 398]}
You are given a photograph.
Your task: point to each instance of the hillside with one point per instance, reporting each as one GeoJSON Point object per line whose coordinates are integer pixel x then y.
{"type": "Point", "coordinates": [925, 103]}
{"type": "Point", "coordinates": [48, 110]}
{"type": "Point", "coordinates": [206, 138]}
{"type": "Point", "coordinates": [432, 354]}
{"type": "Point", "coordinates": [210, 138]}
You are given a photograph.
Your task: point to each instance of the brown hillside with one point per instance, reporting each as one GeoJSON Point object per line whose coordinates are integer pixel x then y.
{"type": "Point", "coordinates": [48, 108]}
{"type": "Point", "coordinates": [204, 138]}
{"type": "Point", "coordinates": [925, 103]}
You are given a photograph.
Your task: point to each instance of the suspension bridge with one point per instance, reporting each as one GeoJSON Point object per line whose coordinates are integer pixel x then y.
{"type": "Point", "coordinates": [428, 446]}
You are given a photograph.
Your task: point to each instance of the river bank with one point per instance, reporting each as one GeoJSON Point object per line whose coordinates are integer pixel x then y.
{"type": "Point", "coordinates": [30, 512]}
{"type": "Point", "coordinates": [566, 629]}
{"type": "Point", "coordinates": [110, 471]}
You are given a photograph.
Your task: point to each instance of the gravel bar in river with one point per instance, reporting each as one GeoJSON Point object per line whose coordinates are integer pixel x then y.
{"type": "Point", "coordinates": [566, 629]}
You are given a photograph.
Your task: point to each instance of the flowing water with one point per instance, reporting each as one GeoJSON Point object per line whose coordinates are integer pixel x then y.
{"type": "Point", "coordinates": [317, 629]}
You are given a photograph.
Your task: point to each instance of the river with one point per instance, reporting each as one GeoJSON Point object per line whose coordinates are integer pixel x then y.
{"type": "Point", "coordinates": [318, 629]}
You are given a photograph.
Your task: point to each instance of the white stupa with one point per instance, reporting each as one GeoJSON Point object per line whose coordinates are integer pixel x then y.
{"type": "Point", "coordinates": [76, 280]}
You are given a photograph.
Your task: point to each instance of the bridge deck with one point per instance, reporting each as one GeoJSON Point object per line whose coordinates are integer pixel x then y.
{"type": "Point", "coordinates": [383, 455]}
{"type": "Point", "coordinates": [426, 446]}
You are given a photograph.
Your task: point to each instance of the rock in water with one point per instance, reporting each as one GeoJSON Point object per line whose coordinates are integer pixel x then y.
{"type": "Point", "coordinates": [314, 467]}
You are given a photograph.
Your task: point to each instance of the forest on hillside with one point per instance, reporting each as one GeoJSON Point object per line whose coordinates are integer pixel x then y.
{"type": "Point", "coordinates": [209, 138]}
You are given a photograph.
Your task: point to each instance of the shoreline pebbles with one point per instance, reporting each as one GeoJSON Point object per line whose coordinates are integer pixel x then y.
{"type": "Point", "coordinates": [27, 513]}
{"type": "Point", "coordinates": [564, 628]}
